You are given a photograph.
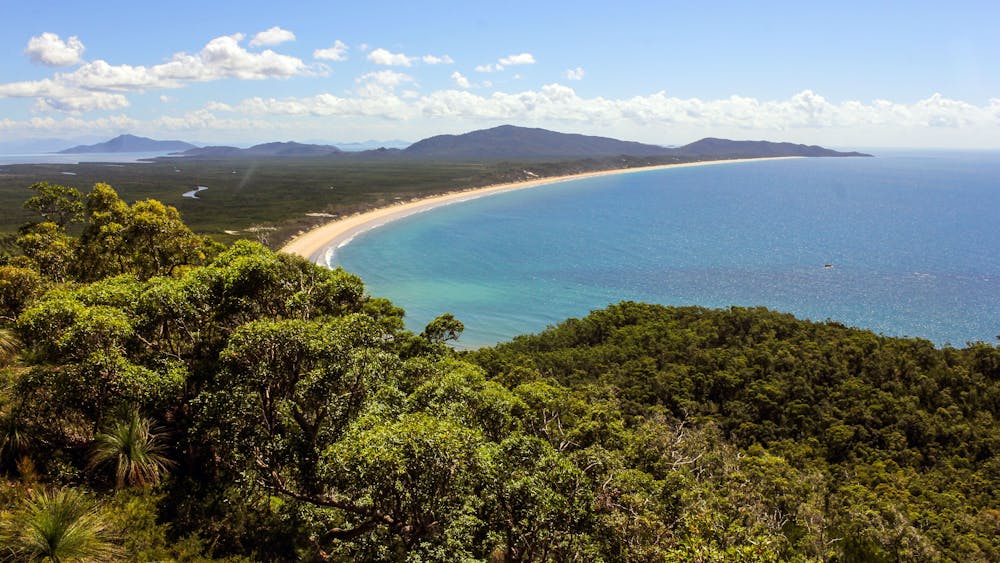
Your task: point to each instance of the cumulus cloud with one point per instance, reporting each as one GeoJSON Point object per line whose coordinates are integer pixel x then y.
{"type": "Point", "coordinates": [391, 96]}
{"type": "Point", "coordinates": [79, 102]}
{"type": "Point", "coordinates": [97, 85]}
{"type": "Point", "coordinates": [460, 81]}
{"type": "Point", "coordinates": [271, 37]}
{"type": "Point", "coordinates": [519, 59]}
{"type": "Point", "coordinates": [433, 60]}
{"type": "Point", "coordinates": [380, 83]}
{"type": "Point", "coordinates": [511, 60]}
{"type": "Point", "coordinates": [556, 103]}
{"type": "Point", "coordinates": [574, 73]}
{"type": "Point", "coordinates": [54, 95]}
{"type": "Point", "coordinates": [49, 125]}
{"type": "Point", "coordinates": [383, 57]}
{"type": "Point", "coordinates": [223, 57]}
{"type": "Point", "coordinates": [50, 50]}
{"type": "Point", "coordinates": [337, 52]}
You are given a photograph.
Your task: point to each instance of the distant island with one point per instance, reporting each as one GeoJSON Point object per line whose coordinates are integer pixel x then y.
{"type": "Point", "coordinates": [130, 143]}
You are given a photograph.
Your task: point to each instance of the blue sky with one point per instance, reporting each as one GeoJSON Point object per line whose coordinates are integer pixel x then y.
{"type": "Point", "coordinates": [864, 74]}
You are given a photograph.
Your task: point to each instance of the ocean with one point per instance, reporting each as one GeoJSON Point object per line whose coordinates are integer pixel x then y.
{"type": "Point", "coordinates": [904, 244]}
{"type": "Point", "coordinates": [56, 158]}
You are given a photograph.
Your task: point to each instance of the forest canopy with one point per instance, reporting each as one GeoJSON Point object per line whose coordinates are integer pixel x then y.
{"type": "Point", "coordinates": [163, 397]}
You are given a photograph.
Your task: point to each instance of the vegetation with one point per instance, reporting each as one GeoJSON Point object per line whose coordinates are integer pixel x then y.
{"type": "Point", "coordinates": [270, 199]}
{"type": "Point", "coordinates": [166, 398]}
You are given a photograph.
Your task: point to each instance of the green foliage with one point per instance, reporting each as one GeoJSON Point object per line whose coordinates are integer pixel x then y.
{"type": "Point", "coordinates": [135, 447]}
{"type": "Point", "coordinates": [298, 419]}
{"type": "Point", "coordinates": [881, 430]}
{"type": "Point", "coordinates": [18, 287]}
{"type": "Point", "coordinates": [58, 525]}
{"type": "Point", "coordinates": [48, 248]}
{"type": "Point", "coordinates": [55, 203]}
{"type": "Point", "coordinates": [9, 346]}
{"type": "Point", "coordinates": [443, 328]}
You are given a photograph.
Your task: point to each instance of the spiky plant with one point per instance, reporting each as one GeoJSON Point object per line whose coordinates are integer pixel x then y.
{"type": "Point", "coordinates": [9, 346]}
{"type": "Point", "coordinates": [135, 447]}
{"type": "Point", "coordinates": [58, 526]}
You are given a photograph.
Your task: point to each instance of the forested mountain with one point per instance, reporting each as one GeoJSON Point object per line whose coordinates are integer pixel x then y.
{"type": "Point", "coordinates": [508, 142]}
{"type": "Point", "coordinates": [166, 398]}
{"type": "Point", "coordinates": [522, 143]}
{"type": "Point", "coordinates": [286, 149]}
{"type": "Point", "coordinates": [724, 148]}
{"type": "Point", "coordinates": [130, 143]}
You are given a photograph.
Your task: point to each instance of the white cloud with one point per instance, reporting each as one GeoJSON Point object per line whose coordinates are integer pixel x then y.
{"type": "Point", "coordinates": [99, 75]}
{"type": "Point", "coordinates": [223, 57]}
{"type": "Point", "coordinates": [166, 99]}
{"type": "Point", "coordinates": [381, 83]}
{"type": "Point", "coordinates": [50, 50]}
{"type": "Point", "coordinates": [460, 81]}
{"type": "Point", "coordinates": [48, 125]}
{"type": "Point", "coordinates": [98, 85]}
{"type": "Point", "coordinates": [54, 95]}
{"type": "Point", "coordinates": [511, 60]}
{"type": "Point", "coordinates": [519, 59]}
{"type": "Point", "coordinates": [383, 57]}
{"type": "Point", "coordinates": [271, 37]}
{"type": "Point", "coordinates": [389, 99]}
{"type": "Point", "coordinates": [574, 73]}
{"type": "Point", "coordinates": [433, 60]}
{"type": "Point", "coordinates": [334, 53]}
{"type": "Point", "coordinates": [78, 102]}
{"type": "Point", "coordinates": [556, 103]}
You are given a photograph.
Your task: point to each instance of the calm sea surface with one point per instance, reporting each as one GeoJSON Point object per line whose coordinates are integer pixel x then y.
{"type": "Point", "coordinates": [902, 244]}
{"type": "Point", "coordinates": [55, 158]}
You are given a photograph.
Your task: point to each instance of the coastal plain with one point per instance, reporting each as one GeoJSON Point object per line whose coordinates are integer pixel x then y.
{"type": "Point", "coordinates": [274, 199]}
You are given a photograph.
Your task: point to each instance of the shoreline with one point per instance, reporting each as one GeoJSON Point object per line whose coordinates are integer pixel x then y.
{"type": "Point", "coordinates": [314, 244]}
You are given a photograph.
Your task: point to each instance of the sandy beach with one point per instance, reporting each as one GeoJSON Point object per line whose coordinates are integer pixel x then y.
{"type": "Point", "coordinates": [313, 245]}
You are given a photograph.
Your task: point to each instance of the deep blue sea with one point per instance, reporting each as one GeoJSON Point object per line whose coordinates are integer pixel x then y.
{"type": "Point", "coordinates": [904, 244]}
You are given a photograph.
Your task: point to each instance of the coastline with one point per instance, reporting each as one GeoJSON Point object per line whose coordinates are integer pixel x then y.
{"type": "Point", "coordinates": [312, 245]}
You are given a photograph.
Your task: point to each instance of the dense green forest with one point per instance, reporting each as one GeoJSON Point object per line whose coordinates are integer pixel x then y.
{"type": "Point", "coordinates": [163, 397]}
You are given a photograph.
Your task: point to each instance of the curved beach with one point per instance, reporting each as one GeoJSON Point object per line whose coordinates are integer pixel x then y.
{"type": "Point", "coordinates": [313, 244]}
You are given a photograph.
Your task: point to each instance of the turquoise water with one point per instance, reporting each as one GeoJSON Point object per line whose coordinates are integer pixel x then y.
{"type": "Point", "coordinates": [902, 244]}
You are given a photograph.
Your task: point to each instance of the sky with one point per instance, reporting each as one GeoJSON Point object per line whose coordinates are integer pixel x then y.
{"type": "Point", "coordinates": [841, 74]}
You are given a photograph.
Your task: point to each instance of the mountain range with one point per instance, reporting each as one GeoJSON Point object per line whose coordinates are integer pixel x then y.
{"type": "Point", "coordinates": [130, 143]}
{"type": "Point", "coordinates": [506, 142]}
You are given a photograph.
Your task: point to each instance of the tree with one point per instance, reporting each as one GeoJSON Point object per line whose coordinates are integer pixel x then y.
{"type": "Point", "coordinates": [146, 239]}
{"type": "Point", "coordinates": [18, 287]}
{"type": "Point", "coordinates": [49, 248]}
{"type": "Point", "coordinates": [443, 328]}
{"type": "Point", "coordinates": [56, 204]}
{"type": "Point", "coordinates": [135, 447]}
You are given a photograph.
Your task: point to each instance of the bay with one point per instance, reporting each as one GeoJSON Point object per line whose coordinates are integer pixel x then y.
{"type": "Point", "coordinates": [78, 158]}
{"type": "Point", "coordinates": [905, 244]}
